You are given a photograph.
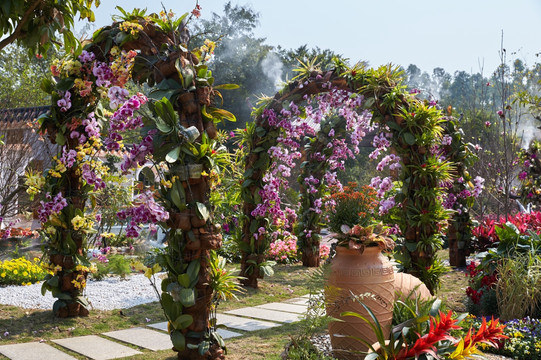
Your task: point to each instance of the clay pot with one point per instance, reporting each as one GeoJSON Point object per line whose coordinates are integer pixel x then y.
{"type": "Point", "coordinates": [187, 101]}
{"type": "Point", "coordinates": [210, 129]}
{"type": "Point", "coordinates": [356, 273]}
{"type": "Point", "coordinates": [406, 284]}
{"type": "Point", "coordinates": [68, 262]}
{"type": "Point", "coordinates": [180, 220]}
{"type": "Point", "coordinates": [190, 255]}
{"type": "Point", "coordinates": [57, 259]}
{"type": "Point", "coordinates": [193, 245]}
{"type": "Point", "coordinates": [211, 241]}
{"type": "Point", "coordinates": [73, 308]}
{"type": "Point", "coordinates": [65, 283]}
{"type": "Point", "coordinates": [196, 221]}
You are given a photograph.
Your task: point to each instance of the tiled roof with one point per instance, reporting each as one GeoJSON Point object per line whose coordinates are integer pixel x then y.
{"type": "Point", "coordinates": [10, 117]}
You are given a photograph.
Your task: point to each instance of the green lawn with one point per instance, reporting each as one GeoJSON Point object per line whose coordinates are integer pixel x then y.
{"type": "Point", "coordinates": [288, 282]}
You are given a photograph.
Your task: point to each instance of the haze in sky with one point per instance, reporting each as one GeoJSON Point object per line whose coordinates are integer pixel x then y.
{"type": "Point", "coordinates": [455, 35]}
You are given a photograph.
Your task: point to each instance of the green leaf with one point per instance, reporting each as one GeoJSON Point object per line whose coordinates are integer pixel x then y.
{"type": "Point", "coordinates": [169, 306]}
{"type": "Point", "coordinates": [58, 304]}
{"type": "Point", "coordinates": [53, 281]}
{"type": "Point", "coordinates": [226, 86]}
{"type": "Point", "coordinates": [253, 226]}
{"type": "Point", "coordinates": [411, 246]}
{"type": "Point", "coordinates": [65, 84]}
{"type": "Point", "coordinates": [184, 280]}
{"type": "Point", "coordinates": [202, 211]}
{"type": "Point", "coordinates": [183, 321]}
{"type": "Point", "coordinates": [434, 309]}
{"type": "Point", "coordinates": [165, 283]}
{"type": "Point", "coordinates": [393, 125]}
{"type": "Point", "coordinates": [178, 195]}
{"type": "Point", "coordinates": [193, 270]}
{"type": "Point", "coordinates": [44, 288]}
{"type": "Point", "coordinates": [204, 346]}
{"type": "Point", "coordinates": [172, 155]}
{"type": "Point", "coordinates": [187, 297]}
{"type": "Point", "coordinates": [47, 86]}
{"type": "Point", "coordinates": [409, 138]}
{"type": "Point", "coordinates": [178, 340]}
{"type": "Point", "coordinates": [60, 139]}
{"type": "Point", "coordinates": [267, 270]}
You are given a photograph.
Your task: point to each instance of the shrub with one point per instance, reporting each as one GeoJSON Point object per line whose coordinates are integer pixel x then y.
{"type": "Point", "coordinates": [519, 286]}
{"type": "Point", "coordinates": [513, 267]}
{"type": "Point", "coordinates": [486, 233]}
{"type": "Point", "coordinates": [113, 264]}
{"type": "Point", "coordinates": [21, 272]}
{"type": "Point", "coordinates": [353, 206]}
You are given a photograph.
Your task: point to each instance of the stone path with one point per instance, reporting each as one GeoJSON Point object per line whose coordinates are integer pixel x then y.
{"type": "Point", "coordinates": [130, 342]}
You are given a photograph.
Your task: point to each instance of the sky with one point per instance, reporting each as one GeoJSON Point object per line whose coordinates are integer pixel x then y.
{"type": "Point", "coordinates": [453, 34]}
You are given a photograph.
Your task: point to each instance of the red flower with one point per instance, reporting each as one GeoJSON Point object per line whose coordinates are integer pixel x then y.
{"type": "Point", "coordinates": [439, 330]}
{"type": "Point", "coordinates": [489, 333]}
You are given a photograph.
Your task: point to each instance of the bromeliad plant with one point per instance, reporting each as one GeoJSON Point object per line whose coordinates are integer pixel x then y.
{"type": "Point", "coordinates": [433, 335]}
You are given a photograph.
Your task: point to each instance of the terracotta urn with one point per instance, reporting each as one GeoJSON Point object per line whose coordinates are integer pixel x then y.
{"type": "Point", "coordinates": [371, 275]}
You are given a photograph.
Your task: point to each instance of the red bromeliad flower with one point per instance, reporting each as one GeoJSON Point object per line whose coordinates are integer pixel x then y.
{"type": "Point", "coordinates": [489, 334]}
{"type": "Point", "coordinates": [439, 330]}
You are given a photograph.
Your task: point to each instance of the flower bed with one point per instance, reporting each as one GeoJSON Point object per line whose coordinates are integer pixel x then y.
{"type": "Point", "coordinates": [524, 342]}
{"type": "Point", "coordinates": [21, 272]}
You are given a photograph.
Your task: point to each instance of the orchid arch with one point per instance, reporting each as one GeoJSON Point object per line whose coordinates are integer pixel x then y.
{"type": "Point", "coordinates": [174, 129]}
{"type": "Point", "coordinates": [364, 99]}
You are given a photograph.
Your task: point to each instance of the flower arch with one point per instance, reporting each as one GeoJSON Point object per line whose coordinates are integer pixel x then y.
{"type": "Point", "coordinates": [91, 110]}
{"type": "Point", "coordinates": [411, 127]}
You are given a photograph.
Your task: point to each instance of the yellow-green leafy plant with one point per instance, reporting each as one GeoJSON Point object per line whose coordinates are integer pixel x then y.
{"type": "Point", "coordinates": [518, 289]}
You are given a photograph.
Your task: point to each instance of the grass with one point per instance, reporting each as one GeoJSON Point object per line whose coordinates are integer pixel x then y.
{"type": "Point", "coordinates": [288, 282]}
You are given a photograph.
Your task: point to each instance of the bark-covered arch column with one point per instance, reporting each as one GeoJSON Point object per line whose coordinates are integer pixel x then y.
{"type": "Point", "coordinates": [414, 127]}
{"type": "Point", "coordinates": [176, 130]}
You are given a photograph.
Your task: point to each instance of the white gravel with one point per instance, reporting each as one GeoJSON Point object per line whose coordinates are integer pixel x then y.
{"type": "Point", "coordinates": [108, 294]}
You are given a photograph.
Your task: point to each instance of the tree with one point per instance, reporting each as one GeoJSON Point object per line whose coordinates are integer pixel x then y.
{"type": "Point", "coordinates": [239, 58]}
{"type": "Point", "coordinates": [35, 24]}
{"type": "Point", "coordinates": [20, 78]}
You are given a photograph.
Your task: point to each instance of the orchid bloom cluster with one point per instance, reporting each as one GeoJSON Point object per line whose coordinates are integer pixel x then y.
{"type": "Point", "coordinates": [471, 190]}
{"type": "Point", "coordinates": [146, 210]}
{"type": "Point", "coordinates": [123, 119]}
{"type": "Point", "coordinates": [53, 207]}
{"type": "Point", "coordinates": [381, 144]}
{"type": "Point", "coordinates": [93, 79]}
{"type": "Point", "coordinates": [296, 123]}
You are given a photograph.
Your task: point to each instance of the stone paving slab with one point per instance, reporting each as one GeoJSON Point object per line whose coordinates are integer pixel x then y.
{"type": "Point", "coordinates": [33, 351]}
{"type": "Point", "coordinates": [298, 301]}
{"type": "Point", "coordinates": [160, 326]}
{"type": "Point", "coordinates": [145, 338]}
{"type": "Point", "coordinates": [292, 308]}
{"type": "Point", "coordinates": [96, 348]}
{"type": "Point", "coordinates": [265, 314]}
{"type": "Point", "coordinates": [240, 323]}
{"type": "Point", "coordinates": [225, 334]}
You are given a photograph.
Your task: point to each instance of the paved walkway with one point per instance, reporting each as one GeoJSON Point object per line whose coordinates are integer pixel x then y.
{"type": "Point", "coordinates": [154, 337]}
